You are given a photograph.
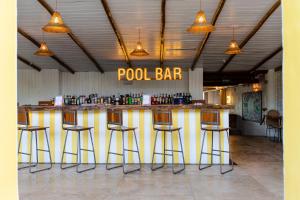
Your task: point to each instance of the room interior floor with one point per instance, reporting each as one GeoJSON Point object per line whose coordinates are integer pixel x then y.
{"type": "Point", "coordinates": [258, 175]}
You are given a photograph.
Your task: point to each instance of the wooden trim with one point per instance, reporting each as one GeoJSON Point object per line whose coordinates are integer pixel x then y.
{"type": "Point", "coordinates": [253, 32]}
{"type": "Point", "coordinates": [162, 33]}
{"type": "Point", "coordinates": [202, 44]}
{"type": "Point", "coordinates": [74, 38]}
{"type": "Point", "coordinates": [265, 59]}
{"type": "Point", "coordinates": [30, 64]}
{"type": "Point", "coordinates": [117, 32]}
{"type": "Point", "coordinates": [36, 43]}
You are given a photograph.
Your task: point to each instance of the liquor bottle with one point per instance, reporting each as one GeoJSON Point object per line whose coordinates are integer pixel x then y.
{"type": "Point", "coordinates": [130, 99]}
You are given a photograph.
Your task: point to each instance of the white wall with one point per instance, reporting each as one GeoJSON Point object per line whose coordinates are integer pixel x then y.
{"type": "Point", "coordinates": [196, 83]}
{"type": "Point", "coordinates": [34, 86]}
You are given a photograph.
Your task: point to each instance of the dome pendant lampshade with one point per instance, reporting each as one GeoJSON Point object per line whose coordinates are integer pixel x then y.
{"type": "Point", "coordinates": [233, 47]}
{"type": "Point", "coordinates": [56, 24]}
{"type": "Point", "coordinates": [139, 50]}
{"type": "Point", "coordinates": [43, 50]}
{"type": "Point", "coordinates": [200, 24]}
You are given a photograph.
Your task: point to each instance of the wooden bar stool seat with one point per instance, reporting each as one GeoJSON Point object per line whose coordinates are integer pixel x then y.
{"type": "Point", "coordinates": [24, 126]}
{"type": "Point", "coordinates": [69, 124]}
{"type": "Point", "coordinates": [115, 125]}
{"type": "Point", "coordinates": [210, 122]}
{"type": "Point", "coordinates": [162, 123]}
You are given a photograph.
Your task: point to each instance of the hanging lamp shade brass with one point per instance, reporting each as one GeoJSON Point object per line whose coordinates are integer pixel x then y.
{"type": "Point", "coordinates": [43, 50]}
{"type": "Point", "coordinates": [200, 24]}
{"type": "Point", "coordinates": [233, 48]}
{"type": "Point", "coordinates": [139, 50]}
{"type": "Point", "coordinates": [56, 24]}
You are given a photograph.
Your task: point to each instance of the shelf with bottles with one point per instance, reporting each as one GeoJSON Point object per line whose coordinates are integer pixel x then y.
{"type": "Point", "coordinates": [128, 99]}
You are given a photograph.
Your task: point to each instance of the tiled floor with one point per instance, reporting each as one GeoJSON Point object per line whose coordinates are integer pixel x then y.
{"type": "Point", "coordinates": [258, 176]}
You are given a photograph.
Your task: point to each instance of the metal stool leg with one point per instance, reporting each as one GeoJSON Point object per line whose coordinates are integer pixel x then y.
{"type": "Point", "coordinates": [229, 152]}
{"type": "Point", "coordinates": [137, 147]}
{"type": "Point", "coordinates": [43, 150]}
{"type": "Point", "coordinates": [23, 153]}
{"type": "Point", "coordinates": [183, 161]}
{"type": "Point", "coordinates": [88, 150]}
{"type": "Point", "coordinates": [71, 153]}
{"type": "Point", "coordinates": [109, 152]}
{"type": "Point", "coordinates": [202, 145]}
{"type": "Point", "coordinates": [154, 153]}
{"type": "Point", "coordinates": [129, 150]}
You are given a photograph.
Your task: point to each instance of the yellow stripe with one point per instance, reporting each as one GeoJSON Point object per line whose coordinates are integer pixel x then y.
{"type": "Point", "coordinates": [119, 144]}
{"type": "Point", "coordinates": [52, 134]}
{"type": "Point", "coordinates": [209, 144]}
{"type": "Point", "coordinates": [19, 155]}
{"type": "Point", "coordinates": [62, 138]}
{"type": "Point", "coordinates": [130, 136]}
{"type": "Point", "coordinates": [85, 137]}
{"type": "Point", "coordinates": [41, 137]}
{"type": "Point", "coordinates": [141, 135]}
{"type": "Point", "coordinates": [198, 133]}
{"type": "Point", "coordinates": [28, 135]}
{"type": "Point", "coordinates": [152, 138]}
{"type": "Point", "coordinates": [107, 136]}
{"type": "Point", "coordinates": [222, 134]}
{"type": "Point", "coordinates": [186, 136]}
{"type": "Point", "coordinates": [96, 134]}
{"type": "Point", "coordinates": [175, 139]}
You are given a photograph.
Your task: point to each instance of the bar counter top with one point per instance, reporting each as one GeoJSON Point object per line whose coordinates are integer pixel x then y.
{"type": "Point", "coordinates": [125, 107]}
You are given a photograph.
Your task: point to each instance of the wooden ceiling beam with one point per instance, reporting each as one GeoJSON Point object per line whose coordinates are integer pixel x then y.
{"type": "Point", "coordinates": [162, 32]}
{"type": "Point", "coordinates": [202, 44]}
{"type": "Point", "coordinates": [117, 32]}
{"type": "Point", "coordinates": [30, 64]}
{"type": "Point", "coordinates": [253, 31]}
{"type": "Point", "coordinates": [74, 38]}
{"type": "Point", "coordinates": [54, 57]}
{"type": "Point", "coordinates": [265, 59]}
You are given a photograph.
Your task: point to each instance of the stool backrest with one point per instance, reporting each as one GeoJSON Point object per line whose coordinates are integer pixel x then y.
{"type": "Point", "coordinates": [69, 117]}
{"type": "Point", "coordinates": [162, 117]}
{"type": "Point", "coordinates": [23, 116]}
{"type": "Point", "coordinates": [210, 117]}
{"type": "Point", "coordinates": [114, 117]}
{"type": "Point", "coordinates": [273, 118]}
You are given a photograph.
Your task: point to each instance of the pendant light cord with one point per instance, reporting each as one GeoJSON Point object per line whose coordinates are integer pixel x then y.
{"type": "Point", "coordinates": [56, 5]}
{"type": "Point", "coordinates": [139, 35]}
{"type": "Point", "coordinates": [200, 5]}
{"type": "Point", "coordinates": [233, 32]}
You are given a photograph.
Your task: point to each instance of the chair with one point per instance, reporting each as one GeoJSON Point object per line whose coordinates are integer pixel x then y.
{"type": "Point", "coordinates": [162, 123]}
{"type": "Point", "coordinates": [115, 125]}
{"type": "Point", "coordinates": [69, 124]}
{"type": "Point", "coordinates": [24, 126]}
{"type": "Point", "coordinates": [211, 120]}
{"type": "Point", "coordinates": [273, 121]}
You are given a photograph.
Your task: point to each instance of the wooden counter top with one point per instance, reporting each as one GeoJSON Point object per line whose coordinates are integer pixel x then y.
{"type": "Point", "coordinates": [125, 107]}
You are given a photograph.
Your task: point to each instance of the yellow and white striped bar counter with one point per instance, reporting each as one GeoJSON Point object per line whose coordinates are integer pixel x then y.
{"type": "Point", "coordinates": [187, 117]}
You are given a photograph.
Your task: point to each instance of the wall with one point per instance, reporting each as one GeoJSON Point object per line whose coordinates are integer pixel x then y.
{"type": "Point", "coordinates": [34, 86]}
{"type": "Point", "coordinates": [271, 99]}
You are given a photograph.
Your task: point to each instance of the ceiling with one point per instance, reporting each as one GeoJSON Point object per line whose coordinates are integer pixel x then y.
{"type": "Point", "coordinates": [90, 24]}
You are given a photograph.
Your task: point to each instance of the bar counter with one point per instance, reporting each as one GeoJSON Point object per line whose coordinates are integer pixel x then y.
{"type": "Point", "coordinates": [185, 116]}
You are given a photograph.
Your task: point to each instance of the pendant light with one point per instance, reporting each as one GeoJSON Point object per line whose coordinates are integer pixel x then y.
{"type": "Point", "coordinates": [139, 50]}
{"type": "Point", "coordinates": [233, 47]}
{"type": "Point", "coordinates": [56, 23]}
{"type": "Point", "coordinates": [43, 50]}
{"type": "Point", "coordinates": [200, 24]}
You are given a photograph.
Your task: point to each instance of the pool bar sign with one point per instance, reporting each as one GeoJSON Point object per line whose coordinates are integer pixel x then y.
{"type": "Point", "coordinates": [141, 74]}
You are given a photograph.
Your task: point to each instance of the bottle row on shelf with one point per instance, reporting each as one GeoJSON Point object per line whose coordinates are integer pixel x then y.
{"type": "Point", "coordinates": [128, 99]}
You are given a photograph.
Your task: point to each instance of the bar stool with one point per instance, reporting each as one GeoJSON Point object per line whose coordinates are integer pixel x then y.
{"type": "Point", "coordinates": [162, 122]}
{"type": "Point", "coordinates": [69, 123]}
{"type": "Point", "coordinates": [211, 118]}
{"type": "Point", "coordinates": [273, 121]}
{"type": "Point", "coordinates": [23, 121]}
{"type": "Point", "coordinates": [115, 124]}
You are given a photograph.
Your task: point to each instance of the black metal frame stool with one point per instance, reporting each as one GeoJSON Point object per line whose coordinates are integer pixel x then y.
{"type": "Point", "coordinates": [273, 120]}
{"type": "Point", "coordinates": [162, 118]}
{"type": "Point", "coordinates": [69, 123]}
{"type": "Point", "coordinates": [212, 118]}
{"type": "Point", "coordinates": [114, 124]}
{"type": "Point", "coordinates": [23, 120]}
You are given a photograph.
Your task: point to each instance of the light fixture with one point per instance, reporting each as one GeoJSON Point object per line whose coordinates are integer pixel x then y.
{"type": "Point", "coordinates": [43, 50]}
{"type": "Point", "coordinates": [233, 47]}
{"type": "Point", "coordinates": [200, 24]}
{"type": "Point", "coordinates": [139, 50]}
{"type": "Point", "coordinates": [56, 24]}
{"type": "Point", "coordinates": [256, 87]}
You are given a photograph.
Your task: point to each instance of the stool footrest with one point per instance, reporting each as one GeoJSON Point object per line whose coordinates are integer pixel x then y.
{"type": "Point", "coordinates": [119, 154]}
{"type": "Point", "coordinates": [28, 154]}
{"type": "Point", "coordinates": [173, 150]}
{"type": "Point", "coordinates": [75, 154]}
{"type": "Point", "coordinates": [43, 150]}
{"type": "Point", "coordinates": [167, 154]}
{"type": "Point", "coordinates": [86, 150]}
{"type": "Point", "coordinates": [131, 150]}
